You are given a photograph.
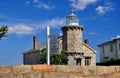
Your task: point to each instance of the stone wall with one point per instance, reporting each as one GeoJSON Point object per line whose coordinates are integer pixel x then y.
{"type": "Point", "coordinates": [59, 71]}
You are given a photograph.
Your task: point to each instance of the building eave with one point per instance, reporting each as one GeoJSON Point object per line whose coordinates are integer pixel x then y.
{"type": "Point", "coordinates": [40, 47]}
{"type": "Point", "coordinates": [90, 47]}
{"type": "Point", "coordinates": [31, 51]}
{"type": "Point", "coordinates": [107, 42]}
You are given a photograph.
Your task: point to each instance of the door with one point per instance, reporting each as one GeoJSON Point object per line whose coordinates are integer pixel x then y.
{"type": "Point", "coordinates": [78, 61]}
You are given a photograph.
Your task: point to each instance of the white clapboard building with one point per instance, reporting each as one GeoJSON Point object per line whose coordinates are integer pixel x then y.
{"type": "Point", "coordinates": [110, 50]}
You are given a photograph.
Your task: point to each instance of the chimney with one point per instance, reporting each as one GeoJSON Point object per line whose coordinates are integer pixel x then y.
{"type": "Point", "coordinates": [35, 42]}
{"type": "Point", "coordinates": [86, 41]}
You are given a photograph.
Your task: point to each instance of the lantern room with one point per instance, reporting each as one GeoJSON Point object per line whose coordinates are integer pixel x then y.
{"type": "Point", "coordinates": [72, 19]}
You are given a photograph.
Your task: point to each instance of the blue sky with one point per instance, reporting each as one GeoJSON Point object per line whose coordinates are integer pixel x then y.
{"type": "Point", "coordinates": [26, 18]}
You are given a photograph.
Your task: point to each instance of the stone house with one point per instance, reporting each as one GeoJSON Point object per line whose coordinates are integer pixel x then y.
{"type": "Point", "coordinates": [79, 53]}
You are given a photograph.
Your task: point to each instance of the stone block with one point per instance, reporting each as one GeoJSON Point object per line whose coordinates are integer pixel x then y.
{"type": "Point", "coordinates": [70, 69]}
{"type": "Point", "coordinates": [5, 77]}
{"type": "Point", "coordinates": [21, 69]}
{"type": "Point", "coordinates": [117, 68]}
{"type": "Point", "coordinates": [54, 75]}
{"type": "Point", "coordinates": [89, 70]}
{"type": "Point", "coordinates": [74, 75]}
{"type": "Point", "coordinates": [5, 71]}
{"type": "Point", "coordinates": [35, 74]}
{"type": "Point", "coordinates": [44, 67]}
{"type": "Point", "coordinates": [103, 70]}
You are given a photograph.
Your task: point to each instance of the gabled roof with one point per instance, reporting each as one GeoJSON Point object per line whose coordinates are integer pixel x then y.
{"type": "Point", "coordinates": [108, 42]}
{"type": "Point", "coordinates": [41, 46]}
{"type": "Point", "coordinates": [89, 47]}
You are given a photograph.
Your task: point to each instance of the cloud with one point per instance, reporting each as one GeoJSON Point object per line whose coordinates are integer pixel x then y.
{"type": "Point", "coordinates": [43, 5]}
{"type": "Point", "coordinates": [36, 1]}
{"type": "Point", "coordinates": [27, 2]}
{"type": "Point", "coordinates": [105, 8]}
{"type": "Point", "coordinates": [55, 22]}
{"type": "Point", "coordinates": [81, 4]}
{"type": "Point", "coordinates": [26, 27]}
{"type": "Point", "coordinates": [21, 30]}
{"type": "Point", "coordinates": [92, 33]}
{"type": "Point", "coordinates": [39, 4]}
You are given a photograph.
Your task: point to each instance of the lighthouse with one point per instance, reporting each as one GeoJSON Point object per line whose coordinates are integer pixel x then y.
{"type": "Point", "coordinates": [77, 51]}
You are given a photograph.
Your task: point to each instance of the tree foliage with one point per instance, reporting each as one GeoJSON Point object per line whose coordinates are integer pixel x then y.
{"type": "Point", "coordinates": [58, 59]}
{"type": "Point", "coordinates": [43, 56]}
{"type": "Point", "coordinates": [3, 31]}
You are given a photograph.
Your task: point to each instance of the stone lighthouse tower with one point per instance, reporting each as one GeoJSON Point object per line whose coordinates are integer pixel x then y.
{"type": "Point", "coordinates": [78, 52]}
{"type": "Point", "coordinates": [72, 37]}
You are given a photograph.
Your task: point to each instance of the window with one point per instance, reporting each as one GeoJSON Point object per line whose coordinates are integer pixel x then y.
{"type": "Point", "coordinates": [103, 50]}
{"type": "Point", "coordinates": [106, 58]}
{"type": "Point", "coordinates": [111, 47]}
{"type": "Point", "coordinates": [87, 61]}
{"type": "Point", "coordinates": [119, 46]}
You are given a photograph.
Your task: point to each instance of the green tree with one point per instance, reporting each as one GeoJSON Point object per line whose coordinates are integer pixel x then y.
{"type": "Point", "coordinates": [43, 56]}
{"type": "Point", "coordinates": [3, 31]}
{"type": "Point", "coordinates": [58, 59]}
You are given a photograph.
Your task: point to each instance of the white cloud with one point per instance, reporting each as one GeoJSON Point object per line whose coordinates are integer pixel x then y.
{"type": "Point", "coordinates": [36, 1]}
{"type": "Point", "coordinates": [26, 27]}
{"type": "Point", "coordinates": [39, 4]}
{"type": "Point", "coordinates": [92, 33]}
{"type": "Point", "coordinates": [105, 8]}
{"type": "Point", "coordinates": [21, 30]}
{"type": "Point", "coordinates": [43, 5]}
{"type": "Point", "coordinates": [55, 22]}
{"type": "Point", "coordinates": [81, 4]}
{"type": "Point", "coordinates": [27, 2]}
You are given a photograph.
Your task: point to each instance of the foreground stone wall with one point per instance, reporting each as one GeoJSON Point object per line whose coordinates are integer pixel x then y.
{"type": "Point", "coordinates": [59, 71]}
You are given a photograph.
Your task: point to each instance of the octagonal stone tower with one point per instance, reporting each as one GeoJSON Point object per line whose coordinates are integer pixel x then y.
{"type": "Point", "coordinates": [72, 34]}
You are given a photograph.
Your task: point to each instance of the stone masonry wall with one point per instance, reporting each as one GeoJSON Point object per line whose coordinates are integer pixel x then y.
{"type": "Point", "coordinates": [59, 71]}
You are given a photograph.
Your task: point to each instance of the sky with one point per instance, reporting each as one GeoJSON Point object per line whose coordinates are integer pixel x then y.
{"type": "Point", "coordinates": [28, 18]}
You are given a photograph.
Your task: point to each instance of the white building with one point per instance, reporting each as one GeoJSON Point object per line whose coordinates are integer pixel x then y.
{"type": "Point", "coordinates": [110, 50]}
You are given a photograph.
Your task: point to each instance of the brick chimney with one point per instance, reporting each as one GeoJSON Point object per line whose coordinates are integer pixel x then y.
{"type": "Point", "coordinates": [86, 41]}
{"type": "Point", "coordinates": [35, 42]}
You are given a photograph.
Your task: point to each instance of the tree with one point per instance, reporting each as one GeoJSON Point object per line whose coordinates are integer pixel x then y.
{"type": "Point", "coordinates": [3, 31]}
{"type": "Point", "coordinates": [58, 59]}
{"type": "Point", "coordinates": [43, 56]}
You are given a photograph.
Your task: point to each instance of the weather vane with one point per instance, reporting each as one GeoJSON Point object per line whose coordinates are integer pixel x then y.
{"type": "Point", "coordinates": [72, 10]}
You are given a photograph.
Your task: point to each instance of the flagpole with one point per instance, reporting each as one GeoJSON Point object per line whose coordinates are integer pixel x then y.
{"type": "Point", "coordinates": [48, 46]}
